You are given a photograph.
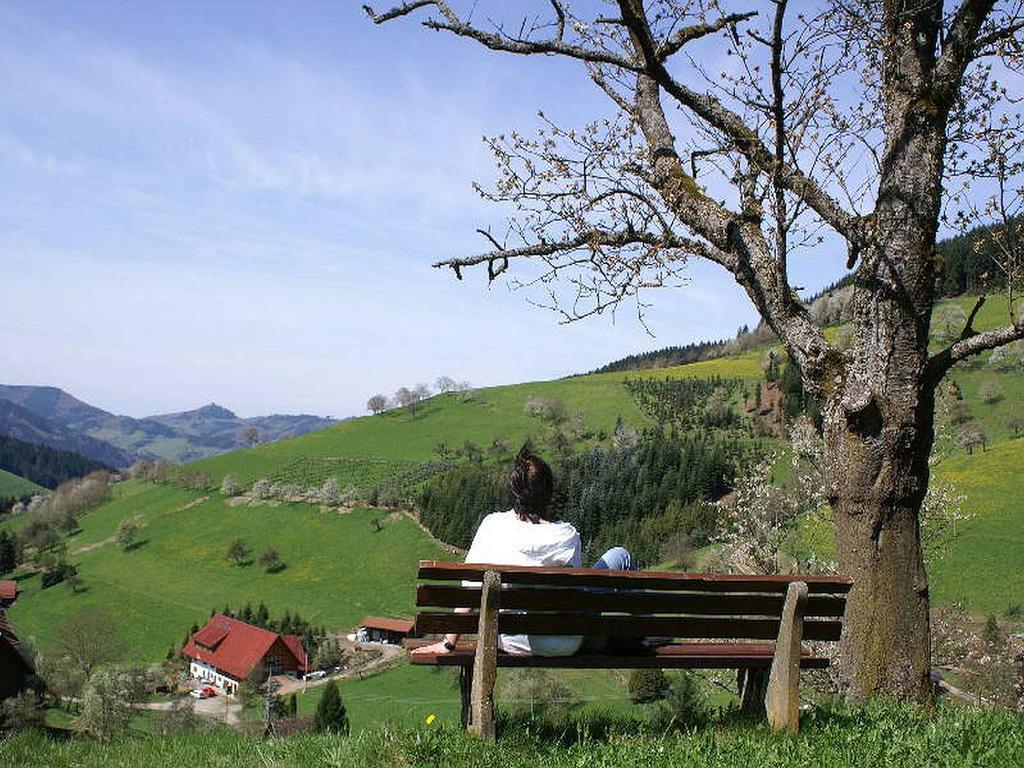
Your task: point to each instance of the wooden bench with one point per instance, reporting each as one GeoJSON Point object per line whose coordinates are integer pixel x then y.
{"type": "Point", "coordinates": [729, 622]}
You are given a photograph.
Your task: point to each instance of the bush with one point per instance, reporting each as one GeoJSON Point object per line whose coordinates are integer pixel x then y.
{"type": "Point", "coordinates": [21, 713]}
{"type": "Point", "coordinates": [229, 486]}
{"type": "Point", "coordinates": [683, 705]}
{"type": "Point", "coordinates": [990, 392]}
{"type": "Point", "coordinates": [270, 560]}
{"type": "Point", "coordinates": [180, 718]}
{"type": "Point", "coordinates": [330, 715]}
{"type": "Point", "coordinates": [52, 576]}
{"type": "Point", "coordinates": [647, 685]}
{"type": "Point", "coordinates": [261, 488]}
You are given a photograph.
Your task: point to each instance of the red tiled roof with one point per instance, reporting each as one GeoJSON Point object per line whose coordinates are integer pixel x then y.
{"type": "Point", "coordinates": [8, 589]}
{"type": "Point", "coordinates": [236, 648]}
{"type": "Point", "coordinates": [388, 625]}
{"type": "Point", "coordinates": [211, 634]}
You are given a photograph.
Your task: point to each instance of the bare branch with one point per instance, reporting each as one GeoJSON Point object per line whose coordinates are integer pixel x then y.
{"type": "Point", "coordinates": [403, 10]}
{"type": "Point", "coordinates": [968, 330]}
{"type": "Point", "coordinates": [959, 47]}
{"type": "Point", "coordinates": [592, 241]}
{"type": "Point", "coordinates": [959, 350]}
{"type": "Point", "coordinates": [688, 34]}
{"type": "Point", "coordinates": [717, 115]}
{"type": "Point", "coordinates": [705, 106]}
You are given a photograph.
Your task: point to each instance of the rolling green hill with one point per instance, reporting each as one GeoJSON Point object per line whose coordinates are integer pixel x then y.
{"type": "Point", "coordinates": [400, 438]}
{"type": "Point", "coordinates": [338, 569]}
{"type": "Point", "coordinates": [13, 486]}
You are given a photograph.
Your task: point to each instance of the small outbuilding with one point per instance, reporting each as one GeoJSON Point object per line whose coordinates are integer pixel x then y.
{"type": "Point", "coordinates": [8, 592]}
{"type": "Point", "coordinates": [379, 629]}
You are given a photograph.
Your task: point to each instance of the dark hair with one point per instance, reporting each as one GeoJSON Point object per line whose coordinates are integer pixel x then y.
{"type": "Point", "coordinates": [531, 485]}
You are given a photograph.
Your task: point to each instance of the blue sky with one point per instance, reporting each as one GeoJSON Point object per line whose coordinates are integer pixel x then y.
{"type": "Point", "coordinates": [240, 203]}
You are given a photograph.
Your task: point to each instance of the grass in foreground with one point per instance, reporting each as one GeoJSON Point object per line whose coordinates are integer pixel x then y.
{"type": "Point", "coordinates": [830, 737]}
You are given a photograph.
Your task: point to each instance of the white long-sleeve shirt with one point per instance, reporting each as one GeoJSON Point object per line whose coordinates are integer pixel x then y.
{"type": "Point", "coordinates": [504, 539]}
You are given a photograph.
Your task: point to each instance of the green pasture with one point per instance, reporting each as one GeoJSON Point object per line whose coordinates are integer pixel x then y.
{"type": "Point", "coordinates": [407, 695]}
{"type": "Point", "coordinates": [984, 567]}
{"type": "Point", "coordinates": [13, 486]}
{"type": "Point", "coordinates": [337, 567]}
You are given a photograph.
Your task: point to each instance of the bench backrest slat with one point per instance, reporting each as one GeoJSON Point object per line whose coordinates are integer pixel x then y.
{"type": "Point", "coordinates": [621, 601]}
{"type": "Point", "coordinates": [431, 622]}
{"type": "Point", "coordinates": [587, 577]}
{"type": "Point", "coordinates": [601, 603]}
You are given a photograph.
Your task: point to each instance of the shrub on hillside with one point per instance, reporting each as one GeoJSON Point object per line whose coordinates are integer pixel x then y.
{"type": "Point", "coordinates": [684, 705]}
{"type": "Point", "coordinates": [128, 532]}
{"type": "Point", "coordinates": [9, 552]}
{"type": "Point", "coordinates": [546, 408]}
{"type": "Point", "coordinates": [647, 685]}
{"type": "Point", "coordinates": [238, 552]}
{"type": "Point", "coordinates": [22, 713]}
{"type": "Point", "coordinates": [331, 716]}
{"type": "Point", "coordinates": [180, 717]}
{"type": "Point", "coordinates": [229, 486]}
{"type": "Point", "coordinates": [261, 488]}
{"type": "Point", "coordinates": [270, 560]}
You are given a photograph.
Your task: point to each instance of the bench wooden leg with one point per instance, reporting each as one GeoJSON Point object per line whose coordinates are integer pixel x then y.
{"type": "Point", "coordinates": [753, 684]}
{"type": "Point", "coordinates": [782, 700]}
{"type": "Point", "coordinates": [465, 690]}
{"type": "Point", "coordinates": [485, 665]}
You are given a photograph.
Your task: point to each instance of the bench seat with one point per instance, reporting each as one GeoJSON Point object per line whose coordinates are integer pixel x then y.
{"type": "Point", "coordinates": [676, 656]}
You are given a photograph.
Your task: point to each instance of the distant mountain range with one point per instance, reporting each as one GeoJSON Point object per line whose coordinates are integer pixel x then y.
{"type": "Point", "coordinates": [50, 416]}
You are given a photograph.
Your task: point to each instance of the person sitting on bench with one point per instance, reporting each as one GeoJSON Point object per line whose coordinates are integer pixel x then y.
{"type": "Point", "coordinates": [525, 535]}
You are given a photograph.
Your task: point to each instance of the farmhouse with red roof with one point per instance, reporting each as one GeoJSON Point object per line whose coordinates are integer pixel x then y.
{"type": "Point", "coordinates": [227, 651]}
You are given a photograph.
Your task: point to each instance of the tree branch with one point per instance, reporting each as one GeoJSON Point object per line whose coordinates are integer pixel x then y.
{"type": "Point", "coordinates": [696, 31]}
{"type": "Point", "coordinates": [959, 47]}
{"type": "Point", "coordinates": [705, 106]}
{"type": "Point", "coordinates": [971, 343]}
{"type": "Point", "coordinates": [593, 240]}
{"type": "Point", "coordinates": [498, 41]}
{"type": "Point", "coordinates": [746, 140]}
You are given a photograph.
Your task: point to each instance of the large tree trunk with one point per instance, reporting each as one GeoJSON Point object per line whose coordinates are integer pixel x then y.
{"type": "Point", "coordinates": [879, 400]}
{"type": "Point", "coordinates": [879, 430]}
{"type": "Point", "coordinates": [880, 481]}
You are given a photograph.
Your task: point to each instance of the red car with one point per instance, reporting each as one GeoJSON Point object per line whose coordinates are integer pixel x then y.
{"type": "Point", "coordinates": [204, 693]}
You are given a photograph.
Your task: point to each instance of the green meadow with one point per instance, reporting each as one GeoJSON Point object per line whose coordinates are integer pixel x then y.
{"type": "Point", "coordinates": [396, 437]}
{"type": "Point", "coordinates": [12, 485]}
{"type": "Point", "coordinates": [337, 566]}
{"type": "Point", "coordinates": [984, 567]}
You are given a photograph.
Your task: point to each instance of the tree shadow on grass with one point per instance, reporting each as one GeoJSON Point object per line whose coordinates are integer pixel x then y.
{"type": "Point", "coordinates": [277, 568]}
{"type": "Point", "coordinates": [136, 545]}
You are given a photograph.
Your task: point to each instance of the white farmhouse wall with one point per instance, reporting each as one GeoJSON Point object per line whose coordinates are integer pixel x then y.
{"type": "Point", "coordinates": [208, 674]}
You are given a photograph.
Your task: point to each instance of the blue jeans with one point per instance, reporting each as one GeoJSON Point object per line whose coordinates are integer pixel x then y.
{"type": "Point", "coordinates": [616, 559]}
